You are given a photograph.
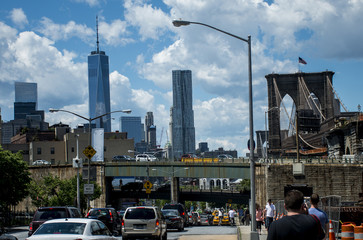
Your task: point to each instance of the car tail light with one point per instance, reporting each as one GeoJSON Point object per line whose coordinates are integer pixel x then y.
{"type": "Point", "coordinates": [31, 226]}
{"type": "Point", "coordinates": [122, 222]}
{"type": "Point", "coordinates": [111, 215]}
{"type": "Point", "coordinates": [157, 222]}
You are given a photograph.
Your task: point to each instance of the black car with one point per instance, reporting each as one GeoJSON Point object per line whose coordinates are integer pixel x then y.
{"type": "Point", "coordinates": [180, 207]}
{"type": "Point", "coordinates": [122, 158]}
{"type": "Point", "coordinates": [132, 186]}
{"type": "Point", "coordinates": [108, 216]}
{"type": "Point", "coordinates": [46, 213]}
{"type": "Point", "coordinates": [5, 236]}
{"type": "Point", "coordinates": [173, 219]}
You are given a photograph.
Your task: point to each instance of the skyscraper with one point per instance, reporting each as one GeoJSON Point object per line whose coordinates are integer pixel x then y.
{"type": "Point", "coordinates": [99, 87]}
{"type": "Point", "coordinates": [150, 130]}
{"type": "Point", "coordinates": [181, 125]}
{"type": "Point", "coordinates": [26, 102]}
{"type": "Point", "coordinates": [133, 127]}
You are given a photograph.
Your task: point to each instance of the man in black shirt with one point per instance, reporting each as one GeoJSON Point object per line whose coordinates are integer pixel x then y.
{"type": "Point", "coordinates": [297, 224]}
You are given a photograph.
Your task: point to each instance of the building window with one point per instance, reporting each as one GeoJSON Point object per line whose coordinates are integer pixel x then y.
{"type": "Point", "coordinates": [72, 149]}
{"type": "Point", "coordinates": [52, 150]}
{"type": "Point", "coordinates": [39, 150]}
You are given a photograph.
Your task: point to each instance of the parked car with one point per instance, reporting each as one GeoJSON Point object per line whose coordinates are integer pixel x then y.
{"type": "Point", "coordinates": [122, 158]}
{"type": "Point", "coordinates": [180, 207]}
{"type": "Point", "coordinates": [40, 162]}
{"type": "Point", "coordinates": [224, 157]}
{"type": "Point", "coordinates": [206, 219]}
{"type": "Point", "coordinates": [173, 219]}
{"type": "Point", "coordinates": [108, 216]}
{"type": "Point", "coordinates": [5, 236]}
{"type": "Point", "coordinates": [145, 158]}
{"type": "Point", "coordinates": [72, 228]}
{"type": "Point", "coordinates": [132, 186]}
{"type": "Point", "coordinates": [47, 213]}
{"type": "Point", "coordinates": [143, 222]}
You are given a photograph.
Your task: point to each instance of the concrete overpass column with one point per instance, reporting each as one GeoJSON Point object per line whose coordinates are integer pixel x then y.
{"type": "Point", "coordinates": [174, 187]}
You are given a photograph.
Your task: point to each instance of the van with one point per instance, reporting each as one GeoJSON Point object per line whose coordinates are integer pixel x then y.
{"type": "Point", "coordinates": [46, 213]}
{"type": "Point", "coordinates": [143, 222]}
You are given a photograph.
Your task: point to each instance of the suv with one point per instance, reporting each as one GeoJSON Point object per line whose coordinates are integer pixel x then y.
{"type": "Point", "coordinates": [108, 216]}
{"type": "Point", "coordinates": [143, 222]}
{"type": "Point", "coordinates": [145, 158]}
{"type": "Point", "coordinates": [46, 213]}
{"type": "Point", "coordinates": [180, 207]}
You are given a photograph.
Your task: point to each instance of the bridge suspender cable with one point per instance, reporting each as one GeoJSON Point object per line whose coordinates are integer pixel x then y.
{"type": "Point", "coordinates": [305, 87]}
{"type": "Point", "coordinates": [335, 93]}
{"type": "Point", "coordinates": [292, 124]}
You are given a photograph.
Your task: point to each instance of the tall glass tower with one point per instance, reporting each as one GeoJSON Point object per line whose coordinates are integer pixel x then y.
{"type": "Point", "coordinates": [182, 115]}
{"type": "Point", "coordinates": [99, 87]}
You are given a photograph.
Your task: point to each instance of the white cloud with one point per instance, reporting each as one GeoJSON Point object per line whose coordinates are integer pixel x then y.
{"type": "Point", "coordinates": [60, 80]}
{"type": "Point", "coordinates": [113, 32]}
{"type": "Point", "coordinates": [18, 17]}
{"type": "Point", "coordinates": [152, 22]}
{"type": "Point", "coordinates": [66, 31]}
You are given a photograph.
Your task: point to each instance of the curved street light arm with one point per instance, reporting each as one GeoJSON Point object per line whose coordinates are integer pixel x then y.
{"type": "Point", "coordinates": [123, 111]}
{"type": "Point", "coordinates": [61, 110]}
{"type": "Point", "coordinates": [178, 23]}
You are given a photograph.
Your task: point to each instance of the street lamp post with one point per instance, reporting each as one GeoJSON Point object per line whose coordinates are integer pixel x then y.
{"type": "Point", "coordinates": [128, 111]}
{"type": "Point", "coordinates": [178, 23]}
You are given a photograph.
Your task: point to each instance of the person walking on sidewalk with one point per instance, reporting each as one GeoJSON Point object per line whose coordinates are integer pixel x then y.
{"type": "Point", "coordinates": [220, 216]}
{"type": "Point", "coordinates": [259, 218]}
{"type": "Point", "coordinates": [323, 217]}
{"type": "Point", "coordinates": [269, 213]}
{"type": "Point", "coordinates": [298, 224]}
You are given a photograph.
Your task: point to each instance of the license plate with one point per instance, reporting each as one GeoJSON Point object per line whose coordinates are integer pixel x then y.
{"type": "Point", "coordinates": [139, 226]}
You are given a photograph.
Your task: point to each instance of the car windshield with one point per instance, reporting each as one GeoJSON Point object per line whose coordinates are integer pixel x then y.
{"type": "Point", "coordinates": [47, 214]}
{"type": "Point", "coordinates": [140, 213]}
{"type": "Point", "coordinates": [170, 212]}
{"type": "Point", "coordinates": [98, 212]}
{"type": "Point", "coordinates": [61, 228]}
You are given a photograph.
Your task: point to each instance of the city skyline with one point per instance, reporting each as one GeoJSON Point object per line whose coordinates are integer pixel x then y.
{"type": "Point", "coordinates": [48, 43]}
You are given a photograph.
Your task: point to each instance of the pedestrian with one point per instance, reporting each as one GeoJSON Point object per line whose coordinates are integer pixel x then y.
{"type": "Point", "coordinates": [241, 216]}
{"type": "Point", "coordinates": [220, 216]}
{"type": "Point", "coordinates": [247, 216]}
{"type": "Point", "coordinates": [259, 217]}
{"type": "Point", "coordinates": [323, 217]}
{"type": "Point", "coordinates": [231, 216]}
{"type": "Point", "coordinates": [297, 224]}
{"type": "Point", "coordinates": [269, 213]}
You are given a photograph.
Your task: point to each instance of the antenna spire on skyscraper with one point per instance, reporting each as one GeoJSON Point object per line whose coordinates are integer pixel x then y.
{"type": "Point", "coordinates": [98, 43]}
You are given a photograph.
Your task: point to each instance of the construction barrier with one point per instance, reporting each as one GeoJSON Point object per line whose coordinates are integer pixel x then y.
{"type": "Point", "coordinates": [347, 232]}
{"type": "Point", "coordinates": [331, 231]}
{"type": "Point", "coordinates": [358, 232]}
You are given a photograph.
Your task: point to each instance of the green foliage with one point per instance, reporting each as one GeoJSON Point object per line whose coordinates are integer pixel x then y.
{"type": "Point", "coordinates": [244, 185]}
{"type": "Point", "coordinates": [14, 179]}
{"type": "Point", "coordinates": [52, 191]}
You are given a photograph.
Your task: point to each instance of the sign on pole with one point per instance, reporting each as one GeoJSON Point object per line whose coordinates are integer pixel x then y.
{"type": "Point", "coordinates": [89, 151]}
{"type": "Point", "coordinates": [88, 189]}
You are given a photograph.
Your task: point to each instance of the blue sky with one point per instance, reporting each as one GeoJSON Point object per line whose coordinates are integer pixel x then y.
{"type": "Point", "coordinates": [48, 42]}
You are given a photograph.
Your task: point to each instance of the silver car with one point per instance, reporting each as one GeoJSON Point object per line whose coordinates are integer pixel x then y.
{"type": "Point", "coordinates": [143, 222]}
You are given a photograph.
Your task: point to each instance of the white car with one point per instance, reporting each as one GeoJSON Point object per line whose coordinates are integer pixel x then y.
{"type": "Point", "coordinates": [72, 228]}
{"type": "Point", "coordinates": [41, 162]}
{"type": "Point", "coordinates": [145, 158]}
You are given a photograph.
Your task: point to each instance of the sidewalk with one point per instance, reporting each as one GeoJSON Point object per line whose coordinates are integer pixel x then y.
{"type": "Point", "coordinates": [244, 233]}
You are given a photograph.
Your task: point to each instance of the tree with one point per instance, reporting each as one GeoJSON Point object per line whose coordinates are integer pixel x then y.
{"type": "Point", "coordinates": [15, 178]}
{"type": "Point", "coordinates": [52, 191]}
{"type": "Point", "coordinates": [244, 185]}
